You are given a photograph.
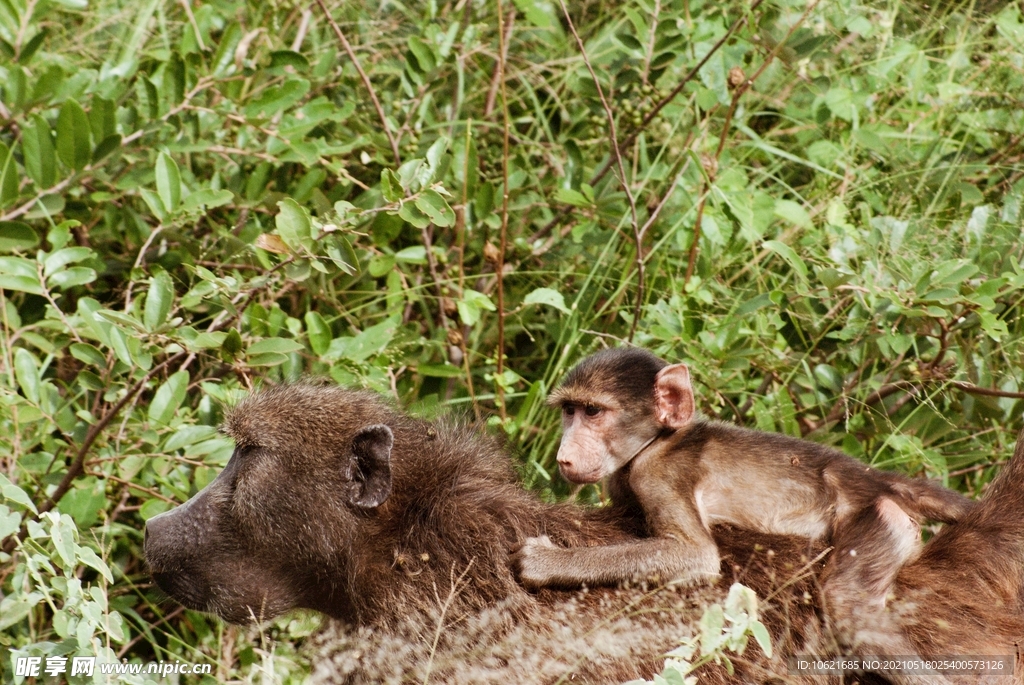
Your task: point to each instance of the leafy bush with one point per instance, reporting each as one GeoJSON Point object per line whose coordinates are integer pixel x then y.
{"type": "Point", "coordinates": [194, 200]}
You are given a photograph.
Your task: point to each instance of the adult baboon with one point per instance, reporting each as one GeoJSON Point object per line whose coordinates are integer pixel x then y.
{"type": "Point", "coordinates": [401, 529]}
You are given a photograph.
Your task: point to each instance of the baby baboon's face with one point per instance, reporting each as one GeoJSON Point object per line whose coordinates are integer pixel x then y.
{"type": "Point", "coordinates": [272, 532]}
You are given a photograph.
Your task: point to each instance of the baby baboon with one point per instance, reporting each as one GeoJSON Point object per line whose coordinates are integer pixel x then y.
{"type": "Point", "coordinates": [629, 415]}
{"type": "Point", "coordinates": [401, 529]}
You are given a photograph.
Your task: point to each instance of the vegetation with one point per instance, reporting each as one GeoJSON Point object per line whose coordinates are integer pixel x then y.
{"type": "Point", "coordinates": [817, 206]}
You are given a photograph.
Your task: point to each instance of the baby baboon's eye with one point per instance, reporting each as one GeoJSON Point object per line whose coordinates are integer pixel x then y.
{"type": "Point", "coordinates": [592, 410]}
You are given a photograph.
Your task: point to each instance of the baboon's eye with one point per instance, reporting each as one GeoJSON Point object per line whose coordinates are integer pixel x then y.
{"type": "Point", "coordinates": [592, 410]}
{"type": "Point", "coordinates": [569, 409]}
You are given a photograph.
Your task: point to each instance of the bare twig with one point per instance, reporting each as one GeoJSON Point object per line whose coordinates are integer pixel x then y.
{"type": "Point", "coordinates": [623, 179]}
{"type": "Point", "coordinates": [499, 266]}
{"type": "Point", "coordinates": [366, 81]}
{"type": "Point", "coordinates": [492, 92]}
{"type": "Point", "coordinates": [460, 240]}
{"type": "Point", "coordinates": [195, 27]}
{"type": "Point", "coordinates": [972, 389]}
{"type": "Point", "coordinates": [457, 584]}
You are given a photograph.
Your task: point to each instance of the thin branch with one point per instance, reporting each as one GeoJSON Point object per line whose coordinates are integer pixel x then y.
{"type": "Point", "coordinates": [78, 464]}
{"type": "Point", "coordinates": [366, 81]}
{"type": "Point", "coordinates": [492, 92]}
{"type": "Point", "coordinates": [649, 117]}
{"type": "Point", "coordinates": [742, 86]}
{"type": "Point", "coordinates": [499, 265]}
{"type": "Point", "coordinates": [972, 389]}
{"type": "Point", "coordinates": [460, 241]}
{"type": "Point", "coordinates": [623, 179]}
{"type": "Point", "coordinates": [195, 27]}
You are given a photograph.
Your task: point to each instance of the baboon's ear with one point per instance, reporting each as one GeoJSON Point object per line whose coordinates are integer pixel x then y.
{"type": "Point", "coordinates": [673, 396]}
{"type": "Point", "coordinates": [369, 467]}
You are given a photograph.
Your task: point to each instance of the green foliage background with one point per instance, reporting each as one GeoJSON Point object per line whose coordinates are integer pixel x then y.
{"type": "Point", "coordinates": [195, 199]}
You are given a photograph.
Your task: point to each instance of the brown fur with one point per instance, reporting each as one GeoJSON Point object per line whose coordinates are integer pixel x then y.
{"type": "Point", "coordinates": [629, 416]}
{"type": "Point", "coordinates": [283, 526]}
{"type": "Point", "coordinates": [962, 595]}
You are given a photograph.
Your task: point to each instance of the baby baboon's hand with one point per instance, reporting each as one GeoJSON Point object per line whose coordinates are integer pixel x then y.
{"type": "Point", "coordinates": [532, 562]}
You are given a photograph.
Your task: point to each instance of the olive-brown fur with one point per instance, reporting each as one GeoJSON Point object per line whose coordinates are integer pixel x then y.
{"type": "Point", "coordinates": [286, 525]}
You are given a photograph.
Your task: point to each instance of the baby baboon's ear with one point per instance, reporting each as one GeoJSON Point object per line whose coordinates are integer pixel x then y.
{"type": "Point", "coordinates": [673, 396]}
{"type": "Point", "coordinates": [369, 467]}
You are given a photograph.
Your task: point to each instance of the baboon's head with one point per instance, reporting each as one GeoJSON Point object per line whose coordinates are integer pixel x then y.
{"type": "Point", "coordinates": [276, 529]}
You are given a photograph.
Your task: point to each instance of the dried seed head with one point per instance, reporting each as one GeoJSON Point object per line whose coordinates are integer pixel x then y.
{"type": "Point", "coordinates": [736, 77]}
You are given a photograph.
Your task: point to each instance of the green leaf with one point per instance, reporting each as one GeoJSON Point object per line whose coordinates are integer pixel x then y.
{"type": "Point", "coordinates": [414, 254]}
{"type": "Point", "coordinates": [62, 534]}
{"type": "Point", "coordinates": [288, 58]}
{"type": "Point", "coordinates": [277, 98]}
{"type": "Point", "coordinates": [362, 346]}
{"type": "Point", "coordinates": [119, 343]}
{"type": "Point", "coordinates": [88, 354]}
{"type": "Point", "coordinates": [993, 326]}
{"type": "Point", "coordinates": [839, 100]}
{"type": "Point", "coordinates": [293, 224]}
{"type": "Point", "coordinates": [793, 212]}
{"type": "Point", "coordinates": [18, 273]}
{"type": "Point", "coordinates": [61, 258]}
{"type": "Point", "coordinates": [318, 331]}
{"type": "Point", "coordinates": [232, 343]}
{"type": "Point", "coordinates": [155, 204]}
{"type": "Point", "coordinates": [124, 320]}
{"type": "Point", "coordinates": [102, 118]}
{"type": "Point", "coordinates": [159, 298]}
{"type": "Point", "coordinates": [572, 197]}
{"type": "Point", "coordinates": [12, 493]}
{"type": "Point", "coordinates": [540, 13]}
{"type": "Point", "coordinates": [411, 212]}
{"type": "Point", "coordinates": [472, 304]}
{"type": "Point", "coordinates": [26, 370]}
{"type": "Point", "coordinates": [711, 624]}
{"type": "Point", "coordinates": [390, 187]}
{"type": "Point", "coordinates": [422, 53]}
{"type": "Point", "coordinates": [207, 198]}
{"type": "Point", "coordinates": [381, 264]}
{"type": "Point", "coordinates": [105, 147]}
{"type": "Point", "coordinates": [10, 522]}
{"type": "Point", "coordinates": [73, 146]}
{"type": "Point", "coordinates": [279, 345]}
{"type": "Point", "coordinates": [168, 398]}
{"type": "Point", "coordinates": [92, 560]}
{"type": "Point", "coordinates": [788, 254]}
{"type": "Point", "coordinates": [439, 370]}
{"type": "Point", "coordinates": [8, 177]}
{"type": "Point", "coordinates": [40, 155]}
{"type": "Point", "coordinates": [16, 236]}
{"type": "Point", "coordinates": [267, 359]}
{"type": "Point", "coordinates": [168, 181]}
{"type": "Point", "coordinates": [764, 640]}
{"type": "Point", "coordinates": [68, 278]}
{"type": "Point", "coordinates": [434, 206]}
{"type": "Point", "coordinates": [551, 298]}
{"type": "Point", "coordinates": [152, 507]}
